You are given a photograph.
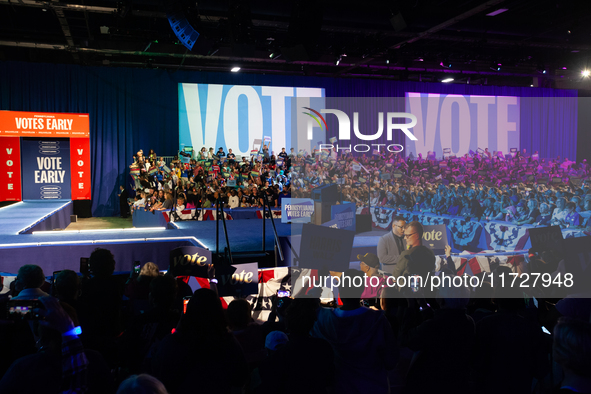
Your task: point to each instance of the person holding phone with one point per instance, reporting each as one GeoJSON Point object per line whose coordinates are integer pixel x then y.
{"type": "Point", "coordinates": [138, 287]}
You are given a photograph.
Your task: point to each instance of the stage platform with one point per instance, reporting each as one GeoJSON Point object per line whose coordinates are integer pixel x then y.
{"type": "Point", "coordinates": [28, 235]}
{"type": "Point", "coordinates": [27, 216]}
{"type": "Point", "coordinates": [23, 242]}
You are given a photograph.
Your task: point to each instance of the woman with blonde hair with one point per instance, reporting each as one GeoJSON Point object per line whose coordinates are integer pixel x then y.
{"type": "Point", "coordinates": [138, 288]}
{"type": "Point", "coordinates": [150, 269]}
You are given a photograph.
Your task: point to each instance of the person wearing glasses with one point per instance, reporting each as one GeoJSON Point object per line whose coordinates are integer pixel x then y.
{"type": "Point", "coordinates": [421, 257]}
{"type": "Point", "coordinates": [391, 245]}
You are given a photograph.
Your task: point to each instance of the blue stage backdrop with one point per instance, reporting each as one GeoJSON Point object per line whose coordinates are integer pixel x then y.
{"type": "Point", "coordinates": [46, 168]}
{"type": "Point", "coordinates": [132, 109]}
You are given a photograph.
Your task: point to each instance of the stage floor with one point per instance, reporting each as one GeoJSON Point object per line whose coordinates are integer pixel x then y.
{"type": "Point", "coordinates": [22, 216]}
{"type": "Point", "coordinates": [55, 250]}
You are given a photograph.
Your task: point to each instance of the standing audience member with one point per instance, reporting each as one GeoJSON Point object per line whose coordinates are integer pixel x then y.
{"type": "Point", "coordinates": [123, 205]}
{"type": "Point", "coordinates": [201, 355]}
{"type": "Point", "coordinates": [100, 305]}
{"type": "Point", "coordinates": [572, 351]}
{"type": "Point", "coordinates": [442, 345]}
{"type": "Point", "coordinates": [362, 341]}
{"type": "Point", "coordinates": [309, 357]}
{"type": "Point", "coordinates": [508, 338]}
{"type": "Point", "coordinates": [248, 333]}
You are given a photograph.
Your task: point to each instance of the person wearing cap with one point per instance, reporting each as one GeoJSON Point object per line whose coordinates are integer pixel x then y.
{"type": "Point", "coordinates": [369, 265]}
{"type": "Point", "coordinates": [391, 245]}
{"type": "Point", "coordinates": [220, 153]}
{"type": "Point", "coordinates": [275, 340]}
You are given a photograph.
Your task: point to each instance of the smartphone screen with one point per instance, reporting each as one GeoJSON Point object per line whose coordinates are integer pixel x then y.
{"type": "Point", "coordinates": [136, 267]}
{"type": "Point", "coordinates": [283, 293]}
{"type": "Point", "coordinates": [22, 309]}
{"type": "Point", "coordinates": [84, 267]}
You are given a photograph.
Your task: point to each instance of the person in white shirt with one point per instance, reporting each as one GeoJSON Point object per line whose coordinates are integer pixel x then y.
{"type": "Point", "coordinates": [28, 283]}
{"type": "Point", "coordinates": [141, 202]}
{"type": "Point", "coordinates": [233, 201]}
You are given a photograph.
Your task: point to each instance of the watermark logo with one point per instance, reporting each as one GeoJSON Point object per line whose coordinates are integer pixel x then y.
{"type": "Point", "coordinates": [344, 133]}
{"type": "Point", "coordinates": [316, 119]}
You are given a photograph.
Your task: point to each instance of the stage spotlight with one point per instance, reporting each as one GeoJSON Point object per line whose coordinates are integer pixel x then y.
{"type": "Point", "coordinates": [445, 63]}
{"type": "Point", "coordinates": [585, 73]}
{"type": "Point", "coordinates": [235, 69]}
{"type": "Point", "coordinates": [447, 80]}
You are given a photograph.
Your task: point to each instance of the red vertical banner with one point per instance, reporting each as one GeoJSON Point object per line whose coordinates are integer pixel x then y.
{"type": "Point", "coordinates": [10, 169]}
{"type": "Point", "coordinates": [80, 167]}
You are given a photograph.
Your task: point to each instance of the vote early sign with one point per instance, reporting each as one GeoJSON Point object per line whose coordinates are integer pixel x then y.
{"type": "Point", "coordinates": [44, 156]}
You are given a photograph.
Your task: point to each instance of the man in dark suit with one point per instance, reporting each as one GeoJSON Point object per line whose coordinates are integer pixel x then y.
{"type": "Point", "coordinates": [123, 205]}
{"type": "Point", "coordinates": [391, 245]}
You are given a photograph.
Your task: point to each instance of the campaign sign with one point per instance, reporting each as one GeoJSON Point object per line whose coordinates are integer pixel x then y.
{"type": "Point", "coordinates": [297, 210]}
{"type": "Point", "coordinates": [189, 261]}
{"type": "Point", "coordinates": [435, 238]}
{"type": "Point", "coordinates": [46, 169]}
{"type": "Point", "coordinates": [546, 238]}
{"type": "Point", "coordinates": [325, 248]}
{"type": "Point", "coordinates": [344, 214]}
{"type": "Point", "coordinates": [242, 282]}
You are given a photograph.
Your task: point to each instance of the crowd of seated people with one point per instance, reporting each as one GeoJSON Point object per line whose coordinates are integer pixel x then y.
{"type": "Point", "coordinates": [486, 186]}
{"type": "Point", "coordinates": [136, 337]}
{"type": "Point", "coordinates": [210, 179]}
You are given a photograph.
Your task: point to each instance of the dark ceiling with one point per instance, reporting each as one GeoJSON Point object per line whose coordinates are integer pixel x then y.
{"type": "Point", "coordinates": [534, 41]}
